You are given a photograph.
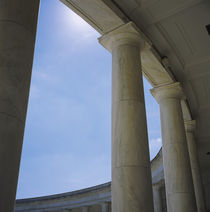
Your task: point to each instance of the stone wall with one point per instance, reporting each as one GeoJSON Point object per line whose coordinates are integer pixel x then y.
{"type": "Point", "coordinates": [94, 199]}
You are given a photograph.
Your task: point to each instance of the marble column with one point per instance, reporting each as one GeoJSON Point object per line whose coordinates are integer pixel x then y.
{"type": "Point", "coordinates": [178, 177]}
{"type": "Point", "coordinates": [18, 21]}
{"type": "Point", "coordinates": [84, 209]}
{"type": "Point", "coordinates": [197, 181]}
{"type": "Point", "coordinates": [105, 207]}
{"type": "Point", "coordinates": [131, 174]}
{"type": "Point", "coordinates": [157, 198]}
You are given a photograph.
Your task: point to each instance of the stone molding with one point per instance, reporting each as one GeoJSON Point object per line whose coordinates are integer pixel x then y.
{"type": "Point", "coordinates": [96, 195]}
{"type": "Point", "coordinates": [76, 199]}
{"type": "Point", "coordinates": [125, 34]}
{"type": "Point", "coordinates": [173, 91]}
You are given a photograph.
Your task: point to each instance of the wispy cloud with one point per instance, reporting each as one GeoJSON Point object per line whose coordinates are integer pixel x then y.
{"type": "Point", "coordinates": [77, 28]}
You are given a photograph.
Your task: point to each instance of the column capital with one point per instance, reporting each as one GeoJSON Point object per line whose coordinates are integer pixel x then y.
{"type": "Point", "coordinates": [190, 125]}
{"type": "Point", "coordinates": [126, 34]}
{"type": "Point", "coordinates": [173, 90]}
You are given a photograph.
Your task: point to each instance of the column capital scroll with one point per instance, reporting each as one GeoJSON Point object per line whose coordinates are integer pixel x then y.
{"type": "Point", "coordinates": [126, 34]}
{"type": "Point", "coordinates": [173, 91]}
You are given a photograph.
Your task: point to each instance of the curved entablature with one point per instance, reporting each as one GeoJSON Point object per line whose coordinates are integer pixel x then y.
{"type": "Point", "coordinates": [93, 198]}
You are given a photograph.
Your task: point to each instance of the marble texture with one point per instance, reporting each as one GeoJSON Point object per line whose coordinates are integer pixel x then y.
{"type": "Point", "coordinates": [178, 177]}
{"type": "Point", "coordinates": [105, 207]}
{"type": "Point", "coordinates": [18, 20]}
{"type": "Point", "coordinates": [73, 201]}
{"type": "Point", "coordinates": [197, 180]}
{"type": "Point", "coordinates": [157, 198]}
{"type": "Point", "coordinates": [131, 173]}
{"type": "Point", "coordinates": [84, 209]}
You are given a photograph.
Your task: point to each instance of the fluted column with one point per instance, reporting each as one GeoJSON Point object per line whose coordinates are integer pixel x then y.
{"type": "Point", "coordinates": [178, 177]}
{"type": "Point", "coordinates": [131, 174]}
{"type": "Point", "coordinates": [197, 181]}
{"type": "Point", "coordinates": [18, 20]}
{"type": "Point", "coordinates": [157, 198]}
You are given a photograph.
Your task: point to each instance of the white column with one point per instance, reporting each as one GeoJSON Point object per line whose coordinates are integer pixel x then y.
{"type": "Point", "coordinates": [84, 209]}
{"type": "Point", "coordinates": [131, 174]}
{"type": "Point", "coordinates": [197, 181]}
{"type": "Point", "coordinates": [18, 20]}
{"type": "Point", "coordinates": [178, 177]}
{"type": "Point", "coordinates": [105, 207]}
{"type": "Point", "coordinates": [157, 198]}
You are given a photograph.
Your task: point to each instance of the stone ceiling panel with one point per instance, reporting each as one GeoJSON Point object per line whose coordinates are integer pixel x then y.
{"type": "Point", "coordinates": [154, 11]}
{"type": "Point", "coordinates": [127, 6]}
{"type": "Point", "coordinates": [198, 68]}
{"type": "Point", "coordinates": [192, 40]}
{"type": "Point", "coordinates": [161, 43]}
{"type": "Point", "coordinates": [201, 88]}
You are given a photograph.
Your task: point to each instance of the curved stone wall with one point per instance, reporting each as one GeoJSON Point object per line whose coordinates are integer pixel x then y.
{"type": "Point", "coordinates": [94, 199]}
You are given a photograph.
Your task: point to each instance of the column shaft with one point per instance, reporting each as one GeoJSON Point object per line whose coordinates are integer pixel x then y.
{"type": "Point", "coordinates": [177, 171]}
{"type": "Point", "coordinates": [84, 209]}
{"type": "Point", "coordinates": [104, 207]}
{"type": "Point", "coordinates": [131, 174]}
{"type": "Point", "coordinates": [197, 181]}
{"type": "Point", "coordinates": [157, 199]}
{"type": "Point", "coordinates": [18, 20]}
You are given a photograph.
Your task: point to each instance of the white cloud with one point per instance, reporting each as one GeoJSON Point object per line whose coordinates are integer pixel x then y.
{"type": "Point", "coordinates": [77, 22]}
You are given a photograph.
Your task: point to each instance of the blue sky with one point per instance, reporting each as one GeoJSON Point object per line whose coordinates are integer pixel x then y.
{"type": "Point", "coordinates": [67, 142]}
